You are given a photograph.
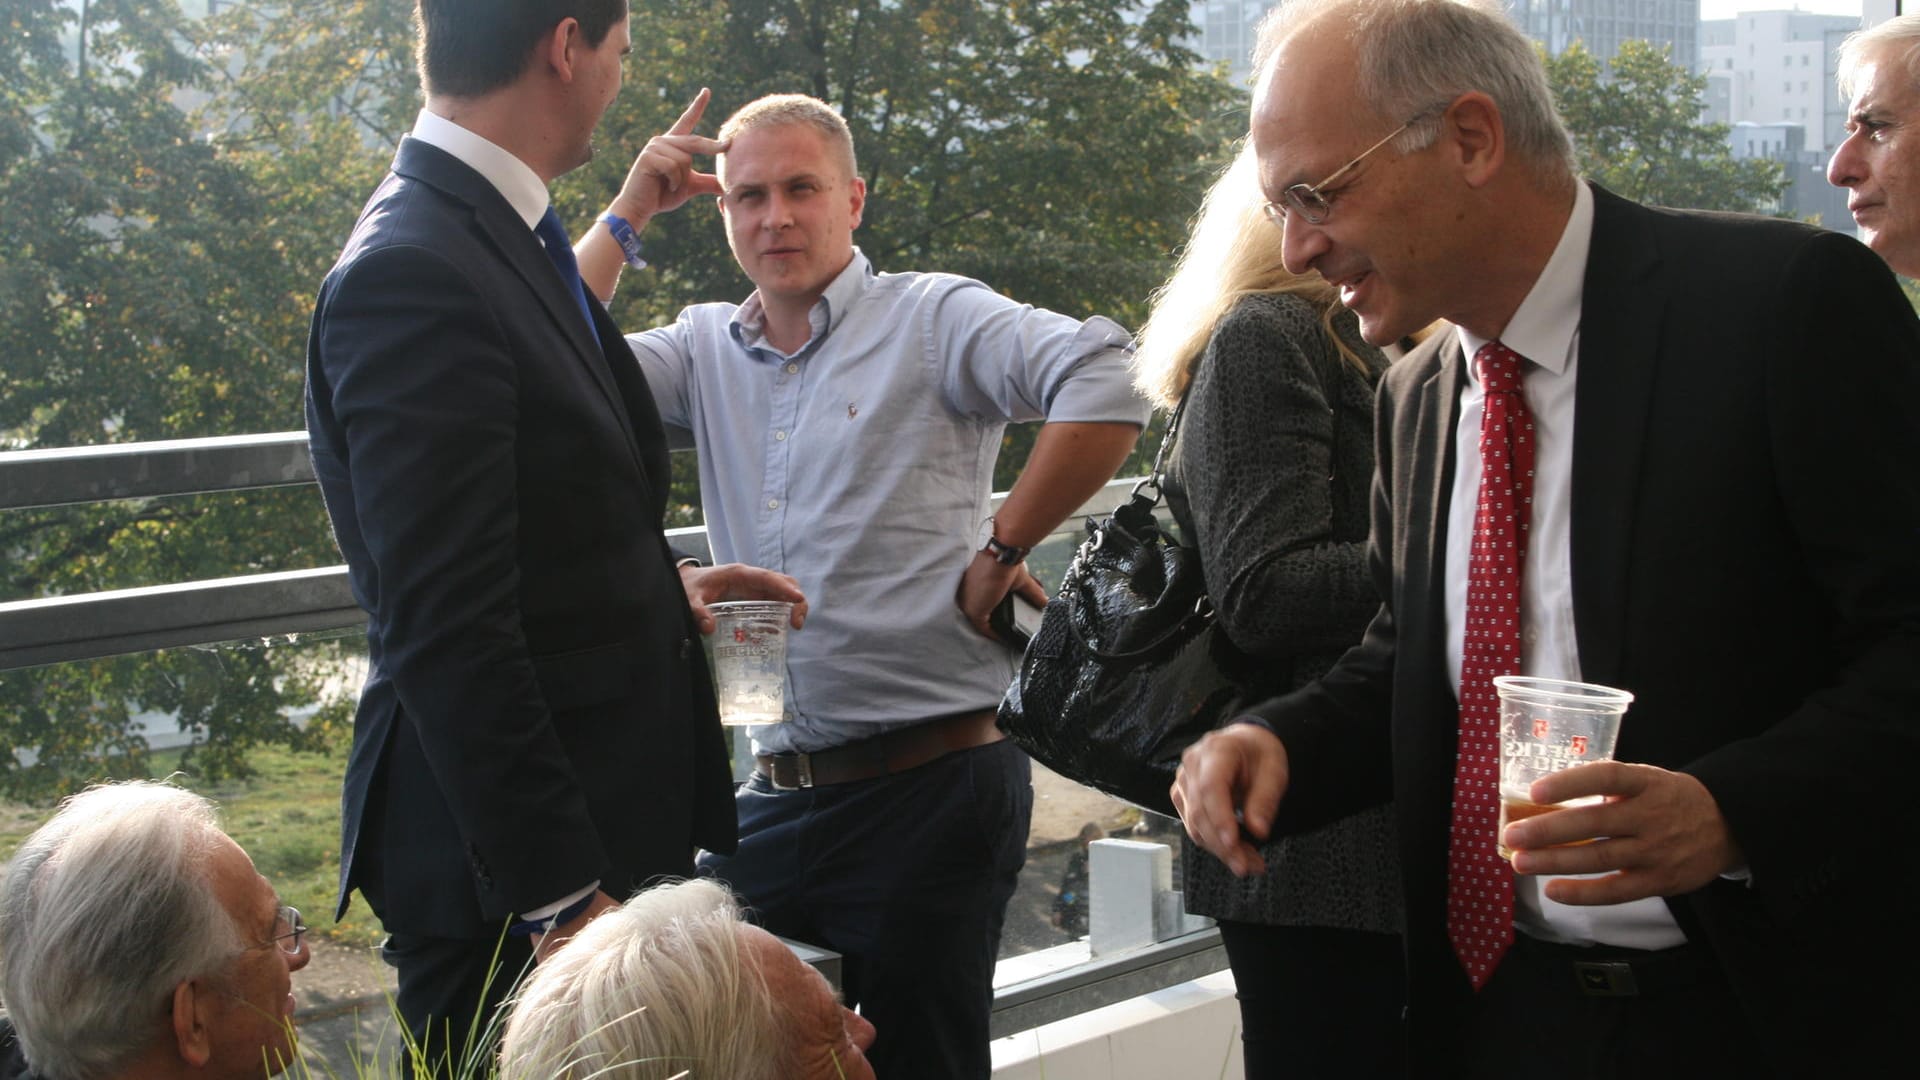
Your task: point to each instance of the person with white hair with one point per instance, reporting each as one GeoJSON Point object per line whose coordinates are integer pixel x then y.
{"type": "Point", "coordinates": [674, 984]}
{"type": "Point", "coordinates": [138, 941]}
{"type": "Point", "coordinates": [1879, 161]}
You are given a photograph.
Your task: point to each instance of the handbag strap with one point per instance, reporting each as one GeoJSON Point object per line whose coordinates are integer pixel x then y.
{"type": "Point", "coordinates": [1156, 479]}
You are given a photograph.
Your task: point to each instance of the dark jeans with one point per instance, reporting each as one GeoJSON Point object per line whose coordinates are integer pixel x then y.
{"type": "Point", "coordinates": [1317, 1001]}
{"type": "Point", "coordinates": [450, 993]}
{"type": "Point", "coordinates": [908, 878]}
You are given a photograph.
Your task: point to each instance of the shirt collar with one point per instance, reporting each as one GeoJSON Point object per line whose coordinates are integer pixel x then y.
{"type": "Point", "coordinates": [516, 182]}
{"type": "Point", "coordinates": [1544, 327]}
{"type": "Point", "coordinates": [748, 325]}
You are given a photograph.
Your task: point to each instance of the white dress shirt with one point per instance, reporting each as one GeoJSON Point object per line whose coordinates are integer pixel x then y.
{"type": "Point", "coordinates": [1545, 330]}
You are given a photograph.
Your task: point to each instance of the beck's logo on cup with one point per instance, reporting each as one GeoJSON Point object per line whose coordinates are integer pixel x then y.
{"type": "Point", "coordinates": [1579, 745]}
{"type": "Point", "coordinates": [1539, 727]}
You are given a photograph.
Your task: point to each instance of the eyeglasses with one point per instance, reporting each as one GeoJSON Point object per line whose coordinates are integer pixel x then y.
{"type": "Point", "coordinates": [1310, 201]}
{"type": "Point", "coordinates": [288, 931]}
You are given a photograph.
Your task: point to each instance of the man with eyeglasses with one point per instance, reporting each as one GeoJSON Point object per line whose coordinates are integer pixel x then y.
{"type": "Point", "coordinates": [1673, 453]}
{"type": "Point", "coordinates": [139, 941]}
{"type": "Point", "coordinates": [847, 422]}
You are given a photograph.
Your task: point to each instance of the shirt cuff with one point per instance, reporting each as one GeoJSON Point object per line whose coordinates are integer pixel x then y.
{"type": "Point", "coordinates": [548, 911]}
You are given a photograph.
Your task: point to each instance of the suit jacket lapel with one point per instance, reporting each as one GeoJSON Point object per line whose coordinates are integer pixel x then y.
{"type": "Point", "coordinates": [1621, 313]}
{"type": "Point", "coordinates": [1422, 558]}
{"type": "Point", "coordinates": [521, 249]}
{"type": "Point", "coordinates": [1433, 470]}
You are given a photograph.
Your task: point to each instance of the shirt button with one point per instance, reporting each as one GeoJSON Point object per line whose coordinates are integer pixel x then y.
{"type": "Point", "coordinates": [779, 436]}
{"type": "Point", "coordinates": [773, 504]}
{"type": "Point", "coordinates": [793, 369]}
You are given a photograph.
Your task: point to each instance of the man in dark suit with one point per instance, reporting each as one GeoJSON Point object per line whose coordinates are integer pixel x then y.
{"type": "Point", "coordinates": [537, 736]}
{"type": "Point", "coordinates": [1698, 434]}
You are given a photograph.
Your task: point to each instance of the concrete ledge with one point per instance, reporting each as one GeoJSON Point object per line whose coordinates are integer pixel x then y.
{"type": "Point", "coordinates": [1189, 1030]}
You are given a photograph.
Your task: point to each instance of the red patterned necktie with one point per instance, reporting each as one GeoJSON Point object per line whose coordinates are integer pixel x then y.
{"type": "Point", "coordinates": [1479, 881]}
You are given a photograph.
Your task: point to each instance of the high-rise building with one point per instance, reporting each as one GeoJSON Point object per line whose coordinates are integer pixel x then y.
{"type": "Point", "coordinates": [1776, 67]}
{"type": "Point", "coordinates": [1224, 34]}
{"type": "Point", "coordinates": [1601, 25]}
{"type": "Point", "coordinates": [1224, 29]}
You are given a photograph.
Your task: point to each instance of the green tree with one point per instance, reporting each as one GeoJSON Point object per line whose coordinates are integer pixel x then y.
{"type": "Point", "coordinates": [140, 298]}
{"type": "Point", "coordinates": [1637, 130]}
{"type": "Point", "coordinates": [161, 260]}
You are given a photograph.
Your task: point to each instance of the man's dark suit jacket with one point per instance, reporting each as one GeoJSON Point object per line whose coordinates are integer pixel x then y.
{"type": "Point", "coordinates": [1745, 559]}
{"type": "Point", "coordinates": [537, 712]}
{"type": "Point", "coordinates": [13, 1064]}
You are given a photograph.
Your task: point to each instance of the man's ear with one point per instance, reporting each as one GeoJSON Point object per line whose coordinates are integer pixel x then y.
{"type": "Point", "coordinates": [1476, 137]}
{"type": "Point", "coordinates": [557, 48]}
{"type": "Point", "coordinates": [858, 192]}
{"type": "Point", "coordinates": [193, 1023]}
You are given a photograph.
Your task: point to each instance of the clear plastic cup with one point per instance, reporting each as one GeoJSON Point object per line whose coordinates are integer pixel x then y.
{"type": "Point", "coordinates": [750, 660]}
{"type": "Point", "coordinates": [1547, 725]}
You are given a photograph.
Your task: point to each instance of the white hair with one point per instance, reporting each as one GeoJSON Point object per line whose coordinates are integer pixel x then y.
{"type": "Point", "coordinates": [103, 911]}
{"type": "Point", "coordinates": [659, 988]}
{"type": "Point", "coordinates": [1861, 46]}
{"type": "Point", "coordinates": [1417, 55]}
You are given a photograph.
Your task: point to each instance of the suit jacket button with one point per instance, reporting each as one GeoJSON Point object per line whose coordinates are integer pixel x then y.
{"type": "Point", "coordinates": [686, 648]}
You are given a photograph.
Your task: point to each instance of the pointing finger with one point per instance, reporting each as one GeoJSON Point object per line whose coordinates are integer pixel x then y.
{"type": "Point", "coordinates": [692, 116]}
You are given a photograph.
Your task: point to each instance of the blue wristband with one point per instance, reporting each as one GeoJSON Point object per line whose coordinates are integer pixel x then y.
{"type": "Point", "coordinates": [624, 235]}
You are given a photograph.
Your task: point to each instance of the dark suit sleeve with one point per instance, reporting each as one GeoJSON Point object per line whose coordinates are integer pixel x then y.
{"type": "Point", "coordinates": [1256, 451]}
{"type": "Point", "coordinates": [424, 390]}
{"type": "Point", "coordinates": [1843, 420]}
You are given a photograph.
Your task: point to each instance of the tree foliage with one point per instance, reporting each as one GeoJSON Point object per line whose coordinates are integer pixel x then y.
{"type": "Point", "coordinates": [1637, 130]}
{"type": "Point", "coordinates": [172, 190]}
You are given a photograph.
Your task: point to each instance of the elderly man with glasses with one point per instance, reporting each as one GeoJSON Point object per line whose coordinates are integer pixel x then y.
{"type": "Point", "coordinates": [1673, 453]}
{"type": "Point", "coordinates": [139, 941]}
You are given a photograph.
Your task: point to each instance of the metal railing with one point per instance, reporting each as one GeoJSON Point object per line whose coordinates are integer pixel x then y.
{"type": "Point", "coordinates": [68, 628]}
{"type": "Point", "coordinates": [65, 628]}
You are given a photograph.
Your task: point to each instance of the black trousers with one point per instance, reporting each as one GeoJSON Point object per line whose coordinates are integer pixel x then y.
{"type": "Point", "coordinates": [1317, 1001]}
{"type": "Point", "coordinates": [908, 878]}
{"type": "Point", "coordinates": [449, 997]}
{"type": "Point", "coordinates": [1535, 1018]}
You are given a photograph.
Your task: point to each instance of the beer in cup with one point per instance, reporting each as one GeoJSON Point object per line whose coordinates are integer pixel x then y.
{"type": "Point", "coordinates": [1547, 725]}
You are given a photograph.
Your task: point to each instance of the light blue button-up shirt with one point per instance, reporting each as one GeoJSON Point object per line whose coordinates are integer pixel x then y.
{"type": "Point", "coordinates": [862, 465]}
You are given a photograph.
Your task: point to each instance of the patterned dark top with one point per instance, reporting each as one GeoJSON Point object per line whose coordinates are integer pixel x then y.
{"type": "Point", "coordinates": [1270, 480]}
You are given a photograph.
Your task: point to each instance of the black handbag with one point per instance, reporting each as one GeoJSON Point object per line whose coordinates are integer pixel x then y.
{"type": "Point", "coordinates": [1128, 668]}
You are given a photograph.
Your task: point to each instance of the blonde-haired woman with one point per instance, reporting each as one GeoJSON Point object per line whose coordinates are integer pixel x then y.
{"type": "Point", "coordinates": [1269, 480]}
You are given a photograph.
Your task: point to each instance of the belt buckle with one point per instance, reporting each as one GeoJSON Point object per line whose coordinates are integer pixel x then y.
{"type": "Point", "coordinates": [1606, 979]}
{"type": "Point", "coordinates": [790, 772]}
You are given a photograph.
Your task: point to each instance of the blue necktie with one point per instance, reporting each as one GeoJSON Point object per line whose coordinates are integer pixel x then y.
{"type": "Point", "coordinates": [553, 236]}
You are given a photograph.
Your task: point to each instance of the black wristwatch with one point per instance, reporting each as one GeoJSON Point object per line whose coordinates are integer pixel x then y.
{"type": "Point", "coordinates": [1005, 554]}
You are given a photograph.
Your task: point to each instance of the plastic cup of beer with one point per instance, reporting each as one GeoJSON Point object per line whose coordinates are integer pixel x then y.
{"type": "Point", "coordinates": [1547, 725]}
{"type": "Point", "coordinates": [750, 660]}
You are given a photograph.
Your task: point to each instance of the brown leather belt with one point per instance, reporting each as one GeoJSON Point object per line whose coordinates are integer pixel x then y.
{"type": "Point", "coordinates": [883, 755]}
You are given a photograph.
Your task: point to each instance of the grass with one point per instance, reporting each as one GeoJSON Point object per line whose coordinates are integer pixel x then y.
{"type": "Point", "coordinates": [287, 816]}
